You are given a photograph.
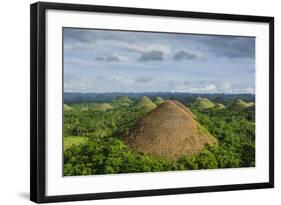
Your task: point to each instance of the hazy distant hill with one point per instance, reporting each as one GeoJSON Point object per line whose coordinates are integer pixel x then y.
{"type": "Point", "coordinates": [70, 98]}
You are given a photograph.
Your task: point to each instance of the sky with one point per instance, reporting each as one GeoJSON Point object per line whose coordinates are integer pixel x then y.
{"type": "Point", "coordinates": [99, 61]}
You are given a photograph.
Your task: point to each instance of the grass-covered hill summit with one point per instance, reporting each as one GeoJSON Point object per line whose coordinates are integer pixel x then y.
{"type": "Point", "coordinates": [168, 131]}
{"type": "Point", "coordinates": [123, 99]}
{"type": "Point", "coordinates": [103, 106]}
{"type": "Point", "coordinates": [158, 100]}
{"type": "Point", "coordinates": [203, 103]}
{"type": "Point", "coordinates": [66, 107]}
{"type": "Point", "coordinates": [219, 106]}
{"type": "Point", "coordinates": [239, 105]}
{"type": "Point", "coordinates": [145, 104]}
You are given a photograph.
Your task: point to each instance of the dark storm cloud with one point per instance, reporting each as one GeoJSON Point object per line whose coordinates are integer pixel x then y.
{"type": "Point", "coordinates": [143, 79]}
{"type": "Point", "coordinates": [184, 55]}
{"type": "Point", "coordinates": [153, 55]}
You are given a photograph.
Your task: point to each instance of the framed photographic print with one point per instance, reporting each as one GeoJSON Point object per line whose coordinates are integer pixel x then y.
{"type": "Point", "coordinates": [129, 102]}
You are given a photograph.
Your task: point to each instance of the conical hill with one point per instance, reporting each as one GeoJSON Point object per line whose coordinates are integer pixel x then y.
{"type": "Point", "coordinates": [158, 100]}
{"type": "Point", "coordinates": [239, 105]}
{"type": "Point", "coordinates": [145, 104]}
{"type": "Point", "coordinates": [219, 106]}
{"type": "Point", "coordinates": [203, 103]}
{"type": "Point", "coordinates": [168, 131]}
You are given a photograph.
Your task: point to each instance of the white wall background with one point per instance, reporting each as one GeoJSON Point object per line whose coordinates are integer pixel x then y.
{"type": "Point", "coordinates": [14, 101]}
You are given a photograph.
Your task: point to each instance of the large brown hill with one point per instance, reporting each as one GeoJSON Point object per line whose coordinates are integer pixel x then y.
{"type": "Point", "coordinates": [168, 131]}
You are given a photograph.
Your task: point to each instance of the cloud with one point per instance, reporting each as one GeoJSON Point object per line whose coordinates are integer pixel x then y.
{"type": "Point", "coordinates": [153, 55]}
{"type": "Point", "coordinates": [229, 46]}
{"type": "Point", "coordinates": [143, 79]}
{"type": "Point", "coordinates": [176, 57]}
{"type": "Point", "coordinates": [226, 86]}
{"type": "Point", "coordinates": [112, 58]}
{"type": "Point", "coordinates": [81, 62]}
{"type": "Point", "coordinates": [100, 58]}
{"type": "Point", "coordinates": [184, 55]}
{"type": "Point", "coordinates": [95, 35]}
{"type": "Point", "coordinates": [210, 87]}
{"type": "Point", "coordinates": [190, 87]}
{"type": "Point", "coordinates": [247, 90]}
{"type": "Point", "coordinates": [187, 83]}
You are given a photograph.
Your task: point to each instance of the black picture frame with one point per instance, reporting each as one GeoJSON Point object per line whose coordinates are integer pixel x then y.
{"type": "Point", "coordinates": [38, 103]}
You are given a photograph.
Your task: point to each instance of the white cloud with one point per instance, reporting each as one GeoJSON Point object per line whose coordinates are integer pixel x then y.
{"type": "Point", "coordinates": [248, 90]}
{"type": "Point", "coordinates": [143, 47]}
{"type": "Point", "coordinates": [226, 86]}
{"type": "Point", "coordinates": [210, 88]}
{"type": "Point", "coordinates": [143, 79]}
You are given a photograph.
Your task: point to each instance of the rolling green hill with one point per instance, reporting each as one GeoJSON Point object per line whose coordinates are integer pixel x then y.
{"type": "Point", "coordinates": [103, 106]}
{"type": "Point", "coordinates": [250, 108]}
{"type": "Point", "coordinates": [66, 107]}
{"type": "Point", "coordinates": [158, 100]}
{"type": "Point", "coordinates": [219, 106]}
{"type": "Point", "coordinates": [239, 105]}
{"type": "Point", "coordinates": [203, 103]}
{"type": "Point", "coordinates": [123, 99]}
{"type": "Point", "coordinates": [145, 104]}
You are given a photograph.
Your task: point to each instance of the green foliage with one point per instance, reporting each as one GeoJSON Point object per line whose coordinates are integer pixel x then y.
{"type": "Point", "coordinates": [111, 156]}
{"type": "Point", "coordinates": [72, 141]}
{"type": "Point", "coordinates": [206, 160]}
{"type": "Point", "coordinates": [235, 132]}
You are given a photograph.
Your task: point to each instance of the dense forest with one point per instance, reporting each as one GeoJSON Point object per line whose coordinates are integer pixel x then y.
{"type": "Point", "coordinates": [93, 137]}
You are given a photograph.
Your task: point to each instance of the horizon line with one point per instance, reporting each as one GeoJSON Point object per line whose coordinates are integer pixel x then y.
{"type": "Point", "coordinates": [162, 92]}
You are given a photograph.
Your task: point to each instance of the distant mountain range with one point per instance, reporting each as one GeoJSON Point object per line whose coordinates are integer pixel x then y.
{"type": "Point", "coordinates": [71, 98]}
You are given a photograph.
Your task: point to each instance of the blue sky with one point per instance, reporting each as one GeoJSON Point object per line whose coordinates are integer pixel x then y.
{"type": "Point", "coordinates": [100, 61]}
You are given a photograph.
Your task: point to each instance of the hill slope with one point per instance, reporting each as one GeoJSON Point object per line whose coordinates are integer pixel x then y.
{"type": "Point", "coordinates": [145, 104]}
{"type": "Point", "coordinates": [184, 107]}
{"type": "Point", "coordinates": [168, 131]}
{"type": "Point", "coordinates": [219, 106]}
{"type": "Point", "coordinates": [67, 107]}
{"type": "Point", "coordinates": [123, 99]}
{"type": "Point", "coordinates": [203, 103]}
{"type": "Point", "coordinates": [158, 100]}
{"type": "Point", "coordinates": [250, 108]}
{"type": "Point", "coordinates": [239, 105]}
{"type": "Point", "coordinates": [103, 106]}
